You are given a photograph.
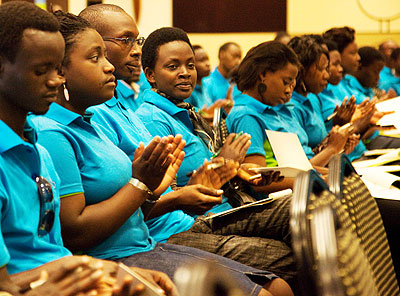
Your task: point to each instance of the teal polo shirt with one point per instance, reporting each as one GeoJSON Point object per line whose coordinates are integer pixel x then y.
{"type": "Point", "coordinates": [309, 119]}
{"type": "Point", "coordinates": [127, 95]}
{"type": "Point", "coordinates": [87, 161]}
{"type": "Point", "coordinates": [292, 125]}
{"type": "Point", "coordinates": [327, 102]}
{"type": "Point", "coordinates": [216, 86]}
{"type": "Point", "coordinates": [253, 117]}
{"type": "Point", "coordinates": [353, 87]}
{"type": "Point", "coordinates": [126, 130]}
{"type": "Point", "coordinates": [20, 162]}
{"type": "Point", "coordinates": [121, 125]}
{"type": "Point", "coordinates": [161, 117]}
{"type": "Point", "coordinates": [391, 83]}
{"type": "Point", "coordinates": [385, 75]}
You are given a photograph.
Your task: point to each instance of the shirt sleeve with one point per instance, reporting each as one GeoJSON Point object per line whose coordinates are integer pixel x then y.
{"type": "Point", "coordinates": [158, 128]}
{"type": "Point", "coordinates": [4, 254]}
{"type": "Point", "coordinates": [65, 161]}
{"type": "Point", "coordinates": [251, 125]}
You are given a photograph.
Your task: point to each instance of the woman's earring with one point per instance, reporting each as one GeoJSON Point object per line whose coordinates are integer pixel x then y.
{"type": "Point", "coordinates": [261, 88]}
{"type": "Point", "coordinates": [303, 86]}
{"type": "Point", "coordinates": [66, 94]}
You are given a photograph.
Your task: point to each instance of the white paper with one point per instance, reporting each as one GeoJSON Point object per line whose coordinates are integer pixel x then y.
{"type": "Point", "coordinates": [288, 150]}
{"type": "Point", "coordinates": [380, 191]}
{"type": "Point", "coordinates": [383, 159]}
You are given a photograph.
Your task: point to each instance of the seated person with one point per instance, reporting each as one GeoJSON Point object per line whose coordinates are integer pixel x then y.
{"type": "Point", "coordinates": [31, 50]}
{"type": "Point", "coordinates": [218, 85]}
{"type": "Point", "coordinates": [162, 115]}
{"type": "Point", "coordinates": [132, 83]}
{"type": "Point", "coordinates": [313, 78]}
{"type": "Point", "coordinates": [199, 97]}
{"type": "Point", "coordinates": [393, 82]}
{"type": "Point", "coordinates": [386, 48]}
{"type": "Point", "coordinates": [104, 219]}
{"type": "Point", "coordinates": [332, 110]}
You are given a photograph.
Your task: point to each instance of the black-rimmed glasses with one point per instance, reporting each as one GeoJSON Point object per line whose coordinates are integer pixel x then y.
{"type": "Point", "coordinates": [46, 197]}
{"type": "Point", "coordinates": [128, 41]}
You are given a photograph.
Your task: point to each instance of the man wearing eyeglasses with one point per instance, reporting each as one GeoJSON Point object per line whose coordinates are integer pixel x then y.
{"type": "Point", "coordinates": [120, 35]}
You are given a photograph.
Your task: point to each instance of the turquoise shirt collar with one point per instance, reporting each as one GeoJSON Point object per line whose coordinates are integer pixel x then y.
{"type": "Point", "coordinates": [10, 139]}
{"type": "Point", "coordinates": [298, 97]}
{"type": "Point", "coordinates": [112, 102]}
{"type": "Point", "coordinates": [162, 103]}
{"type": "Point", "coordinates": [354, 83]}
{"type": "Point", "coordinates": [246, 100]}
{"type": "Point", "coordinates": [64, 116]}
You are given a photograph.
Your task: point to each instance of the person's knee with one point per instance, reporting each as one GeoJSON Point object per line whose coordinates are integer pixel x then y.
{"type": "Point", "coordinates": [277, 287]}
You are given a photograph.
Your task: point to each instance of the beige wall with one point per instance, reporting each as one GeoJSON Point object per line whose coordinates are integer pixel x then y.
{"type": "Point", "coordinates": [304, 16]}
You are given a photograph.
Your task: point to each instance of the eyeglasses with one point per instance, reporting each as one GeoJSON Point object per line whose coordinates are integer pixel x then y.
{"type": "Point", "coordinates": [128, 41]}
{"type": "Point", "coordinates": [47, 214]}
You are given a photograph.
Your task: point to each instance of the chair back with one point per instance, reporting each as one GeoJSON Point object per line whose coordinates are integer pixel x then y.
{"type": "Point", "coordinates": [366, 220]}
{"type": "Point", "coordinates": [330, 258]}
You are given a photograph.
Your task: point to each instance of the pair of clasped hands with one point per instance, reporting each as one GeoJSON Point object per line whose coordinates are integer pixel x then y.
{"type": "Point", "coordinates": [86, 276]}
{"type": "Point", "coordinates": [202, 191]}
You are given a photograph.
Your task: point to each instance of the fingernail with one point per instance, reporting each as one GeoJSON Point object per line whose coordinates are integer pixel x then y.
{"type": "Point", "coordinates": [220, 192]}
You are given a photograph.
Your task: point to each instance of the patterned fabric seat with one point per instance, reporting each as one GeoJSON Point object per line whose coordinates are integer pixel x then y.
{"type": "Point", "coordinates": [366, 220]}
{"type": "Point", "coordinates": [330, 257]}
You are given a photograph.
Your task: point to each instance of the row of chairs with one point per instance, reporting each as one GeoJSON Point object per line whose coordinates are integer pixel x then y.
{"type": "Point", "coordinates": [339, 238]}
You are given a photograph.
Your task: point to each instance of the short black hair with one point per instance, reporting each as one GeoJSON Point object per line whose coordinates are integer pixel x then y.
{"type": "Point", "coordinates": [331, 44]}
{"type": "Point", "coordinates": [94, 14]}
{"type": "Point", "coordinates": [70, 26]}
{"type": "Point", "coordinates": [308, 52]}
{"type": "Point", "coordinates": [225, 46]}
{"type": "Point", "coordinates": [343, 36]}
{"type": "Point", "coordinates": [268, 56]}
{"type": "Point", "coordinates": [369, 55]}
{"type": "Point", "coordinates": [395, 54]}
{"type": "Point", "coordinates": [156, 39]}
{"type": "Point", "coordinates": [15, 17]}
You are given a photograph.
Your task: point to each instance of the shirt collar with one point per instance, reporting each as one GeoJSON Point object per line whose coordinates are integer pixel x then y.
{"type": "Point", "coordinates": [298, 97]}
{"type": "Point", "coordinates": [112, 102]}
{"type": "Point", "coordinates": [354, 83]}
{"type": "Point", "coordinates": [10, 139]}
{"type": "Point", "coordinates": [65, 116]}
{"type": "Point", "coordinates": [162, 103]}
{"type": "Point", "coordinates": [246, 100]}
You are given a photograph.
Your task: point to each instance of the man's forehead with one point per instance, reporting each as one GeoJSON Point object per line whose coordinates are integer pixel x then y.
{"type": "Point", "coordinates": [118, 21]}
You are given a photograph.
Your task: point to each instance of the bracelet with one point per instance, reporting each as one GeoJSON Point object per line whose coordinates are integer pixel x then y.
{"type": "Point", "coordinates": [140, 185]}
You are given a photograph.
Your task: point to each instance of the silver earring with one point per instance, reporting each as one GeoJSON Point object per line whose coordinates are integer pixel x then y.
{"type": "Point", "coordinates": [66, 94]}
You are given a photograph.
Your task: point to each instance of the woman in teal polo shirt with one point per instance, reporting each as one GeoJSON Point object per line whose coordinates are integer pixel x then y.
{"type": "Point", "coordinates": [311, 81]}
{"type": "Point", "coordinates": [267, 90]}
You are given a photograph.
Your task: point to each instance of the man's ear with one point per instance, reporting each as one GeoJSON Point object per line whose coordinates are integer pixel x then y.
{"type": "Point", "coordinates": [149, 73]}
